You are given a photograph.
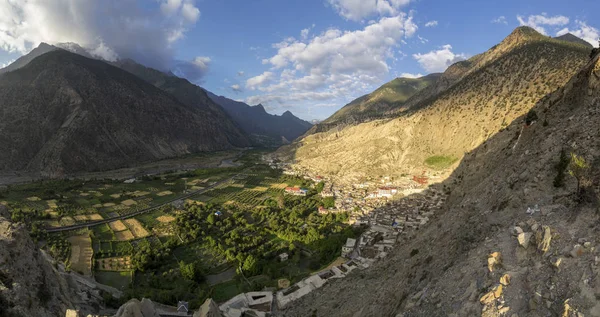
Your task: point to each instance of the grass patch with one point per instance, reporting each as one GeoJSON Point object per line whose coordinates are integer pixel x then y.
{"type": "Point", "coordinates": [118, 280]}
{"type": "Point", "coordinates": [225, 291]}
{"type": "Point", "coordinates": [440, 161]}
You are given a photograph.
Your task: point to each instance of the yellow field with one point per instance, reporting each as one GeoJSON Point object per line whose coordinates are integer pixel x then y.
{"type": "Point", "coordinates": [115, 196]}
{"type": "Point", "coordinates": [81, 254]}
{"type": "Point", "coordinates": [124, 235]}
{"type": "Point", "coordinates": [114, 264]}
{"type": "Point", "coordinates": [33, 198]}
{"type": "Point", "coordinates": [129, 202]}
{"type": "Point", "coordinates": [88, 217]}
{"type": "Point", "coordinates": [117, 226]}
{"type": "Point", "coordinates": [137, 228]}
{"type": "Point", "coordinates": [260, 189]}
{"type": "Point", "coordinates": [165, 193]}
{"type": "Point", "coordinates": [282, 185]}
{"type": "Point", "coordinates": [52, 223]}
{"type": "Point", "coordinates": [108, 204]}
{"type": "Point", "coordinates": [165, 219]}
{"type": "Point", "coordinates": [138, 193]}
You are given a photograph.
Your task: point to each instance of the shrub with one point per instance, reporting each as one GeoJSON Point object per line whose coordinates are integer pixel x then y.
{"type": "Point", "coordinates": [579, 169]}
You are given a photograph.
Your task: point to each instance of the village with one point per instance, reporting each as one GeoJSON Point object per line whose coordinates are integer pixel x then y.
{"type": "Point", "coordinates": [374, 204]}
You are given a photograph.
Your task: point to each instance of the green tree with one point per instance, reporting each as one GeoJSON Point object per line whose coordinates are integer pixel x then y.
{"type": "Point", "coordinates": [189, 271]}
{"type": "Point", "coordinates": [250, 265]}
{"type": "Point", "coordinates": [211, 219]}
{"type": "Point", "coordinates": [578, 168]}
{"type": "Point", "coordinates": [320, 187]}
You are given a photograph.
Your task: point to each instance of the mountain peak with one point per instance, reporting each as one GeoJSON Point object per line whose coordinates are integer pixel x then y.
{"type": "Point", "coordinates": [288, 114]}
{"type": "Point", "coordinates": [260, 107]}
{"type": "Point", "coordinates": [574, 39]}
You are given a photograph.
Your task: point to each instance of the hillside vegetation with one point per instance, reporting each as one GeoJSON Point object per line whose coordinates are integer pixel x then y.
{"type": "Point", "coordinates": [489, 91]}
{"type": "Point", "coordinates": [485, 254]}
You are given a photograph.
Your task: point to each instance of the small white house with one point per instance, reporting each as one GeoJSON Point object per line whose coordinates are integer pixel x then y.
{"type": "Point", "coordinates": [283, 257]}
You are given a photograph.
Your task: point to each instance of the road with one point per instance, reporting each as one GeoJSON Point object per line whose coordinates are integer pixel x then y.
{"type": "Point", "coordinates": [122, 217]}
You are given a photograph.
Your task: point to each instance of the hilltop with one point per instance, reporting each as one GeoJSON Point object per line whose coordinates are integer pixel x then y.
{"type": "Point", "coordinates": [64, 113]}
{"type": "Point", "coordinates": [383, 99]}
{"type": "Point", "coordinates": [469, 103]}
{"type": "Point", "coordinates": [509, 241]}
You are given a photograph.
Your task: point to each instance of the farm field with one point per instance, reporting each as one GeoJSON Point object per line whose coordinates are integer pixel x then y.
{"type": "Point", "coordinates": [191, 248]}
{"type": "Point", "coordinates": [81, 254]}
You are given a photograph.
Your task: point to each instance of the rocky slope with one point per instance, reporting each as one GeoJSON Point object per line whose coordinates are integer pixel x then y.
{"type": "Point", "coordinates": [29, 284]}
{"type": "Point", "coordinates": [470, 102]}
{"type": "Point", "coordinates": [264, 128]}
{"type": "Point", "coordinates": [64, 113]}
{"type": "Point", "coordinates": [472, 260]}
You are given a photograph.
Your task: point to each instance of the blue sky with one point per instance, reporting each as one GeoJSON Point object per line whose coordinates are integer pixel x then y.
{"type": "Point", "coordinates": [310, 57]}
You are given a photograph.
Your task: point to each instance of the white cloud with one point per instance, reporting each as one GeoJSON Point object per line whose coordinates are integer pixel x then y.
{"type": "Point", "coordinates": [358, 10]}
{"type": "Point", "coordinates": [332, 66]}
{"type": "Point", "coordinates": [431, 23]}
{"type": "Point", "coordinates": [409, 75]}
{"type": "Point", "coordinates": [538, 22]}
{"type": "Point", "coordinates": [107, 28]}
{"type": "Point", "coordinates": [304, 34]}
{"type": "Point", "coordinates": [584, 31]}
{"type": "Point", "coordinates": [422, 39]}
{"type": "Point", "coordinates": [241, 73]}
{"type": "Point", "coordinates": [500, 20]}
{"type": "Point", "coordinates": [438, 60]}
{"type": "Point", "coordinates": [256, 81]}
{"type": "Point", "coordinates": [194, 70]}
{"type": "Point", "coordinates": [236, 88]}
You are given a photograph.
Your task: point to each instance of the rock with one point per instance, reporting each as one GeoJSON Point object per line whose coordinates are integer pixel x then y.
{"type": "Point", "coordinates": [587, 245]}
{"type": "Point", "coordinates": [516, 230]}
{"type": "Point", "coordinates": [505, 280]}
{"type": "Point", "coordinates": [577, 251]}
{"type": "Point", "coordinates": [534, 227]}
{"type": "Point", "coordinates": [494, 260]}
{"type": "Point", "coordinates": [491, 296]}
{"type": "Point", "coordinates": [530, 222]}
{"type": "Point", "coordinates": [4, 212]}
{"type": "Point", "coordinates": [524, 239]}
{"type": "Point", "coordinates": [543, 237]}
{"type": "Point", "coordinates": [556, 263]}
{"type": "Point", "coordinates": [72, 313]}
{"type": "Point", "coordinates": [503, 310]}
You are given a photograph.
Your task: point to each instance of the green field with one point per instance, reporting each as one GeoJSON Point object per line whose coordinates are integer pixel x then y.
{"type": "Point", "coordinates": [118, 280]}
{"type": "Point", "coordinates": [440, 161]}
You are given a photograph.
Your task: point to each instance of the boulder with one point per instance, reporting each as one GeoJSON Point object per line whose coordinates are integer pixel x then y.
{"type": "Point", "coordinates": [524, 239]}
{"type": "Point", "coordinates": [577, 251]}
{"type": "Point", "coordinates": [494, 260]}
{"type": "Point", "coordinates": [516, 230]}
{"type": "Point", "coordinates": [543, 238]}
{"type": "Point", "coordinates": [505, 280]}
{"type": "Point", "coordinates": [490, 297]}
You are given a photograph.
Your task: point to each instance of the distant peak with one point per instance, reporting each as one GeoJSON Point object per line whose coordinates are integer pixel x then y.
{"type": "Point", "coordinates": [568, 37]}
{"type": "Point", "coordinates": [288, 114]}
{"type": "Point", "coordinates": [260, 107]}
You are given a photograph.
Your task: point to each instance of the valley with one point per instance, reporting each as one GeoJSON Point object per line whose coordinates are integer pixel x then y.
{"type": "Point", "coordinates": [137, 235]}
{"type": "Point", "coordinates": [146, 179]}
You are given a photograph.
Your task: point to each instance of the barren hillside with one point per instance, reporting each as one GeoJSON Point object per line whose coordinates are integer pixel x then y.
{"type": "Point", "coordinates": [485, 254]}
{"type": "Point", "coordinates": [485, 94]}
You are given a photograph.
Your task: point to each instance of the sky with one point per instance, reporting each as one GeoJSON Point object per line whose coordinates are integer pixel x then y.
{"type": "Point", "coordinates": [310, 57]}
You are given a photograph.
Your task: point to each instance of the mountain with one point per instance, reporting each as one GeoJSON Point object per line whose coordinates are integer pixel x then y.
{"type": "Point", "coordinates": [64, 113]}
{"type": "Point", "coordinates": [470, 102]}
{"type": "Point", "coordinates": [392, 94]}
{"type": "Point", "coordinates": [43, 48]}
{"type": "Point", "coordinates": [574, 39]}
{"type": "Point", "coordinates": [443, 268]}
{"type": "Point", "coordinates": [255, 121]}
{"type": "Point", "coordinates": [263, 128]}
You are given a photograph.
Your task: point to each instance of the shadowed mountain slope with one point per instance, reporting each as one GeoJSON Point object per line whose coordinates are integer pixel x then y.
{"type": "Point", "coordinates": [64, 113]}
